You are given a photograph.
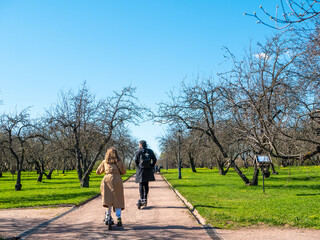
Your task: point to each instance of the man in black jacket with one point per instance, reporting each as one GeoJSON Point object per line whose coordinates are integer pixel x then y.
{"type": "Point", "coordinates": [145, 161]}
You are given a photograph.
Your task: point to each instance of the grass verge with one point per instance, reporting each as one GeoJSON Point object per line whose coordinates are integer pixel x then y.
{"type": "Point", "coordinates": [62, 189]}
{"type": "Point", "coordinates": [291, 198]}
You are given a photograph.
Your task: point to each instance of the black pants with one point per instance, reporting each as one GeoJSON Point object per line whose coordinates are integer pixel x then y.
{"type": "Point", "coordinates": [143, 189]}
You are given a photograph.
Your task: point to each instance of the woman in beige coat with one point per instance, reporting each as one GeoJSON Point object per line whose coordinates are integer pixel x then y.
{"type": "Point", "coordinates": [111, 185]}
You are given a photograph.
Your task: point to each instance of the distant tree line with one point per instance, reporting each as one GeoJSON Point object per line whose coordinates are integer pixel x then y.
{"type": "Point", "coordinates": [74, 134]}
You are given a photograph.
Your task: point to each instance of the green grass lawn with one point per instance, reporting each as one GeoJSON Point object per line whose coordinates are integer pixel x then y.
{"type": "Point", "coordinates": [62, 189]}
{"type": "Point", "coordinates": [291, 198]}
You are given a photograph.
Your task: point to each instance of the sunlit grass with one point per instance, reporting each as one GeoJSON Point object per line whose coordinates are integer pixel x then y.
{"type": "Point", "coordinates": [291, 198]}
{"type": "Point", "coordinates": [62, 189]}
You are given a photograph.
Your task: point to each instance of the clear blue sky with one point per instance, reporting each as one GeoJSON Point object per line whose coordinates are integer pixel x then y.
{"type": "Point", "coordinates": [49, 46]}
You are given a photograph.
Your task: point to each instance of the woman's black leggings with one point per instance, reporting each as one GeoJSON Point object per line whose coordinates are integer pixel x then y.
{"type": "Point", "coordinates": [143, 189]}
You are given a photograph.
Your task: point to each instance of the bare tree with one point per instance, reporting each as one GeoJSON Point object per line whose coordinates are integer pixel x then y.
{"type": "Point", "coordinates": [201, 107]}
{"type": "Point", "coordinates": [190, 145]}
{"type": "Point", "coordinates": [89, 124]}
{"type": "Point", "coordinates": [199, 151]}
{"type": "Point", "coordinates": [268, 102]}
{"type": "Point", "coordinates": [289, 12]}
{"type": "Point", "coordinates": [41, 154]}
{"type": "Point", "coordinates": [4, 166]}
{"type": "Point", "coordinates": [17, 129]}
{"type": "Point", "coordinates": [198, 108]}
{"type": "Point", "coordinates": [62, 145]}
{"type": "Point", "coordinates": [169, 148]}
{"type": "Point", "coordinates": [126, 145]}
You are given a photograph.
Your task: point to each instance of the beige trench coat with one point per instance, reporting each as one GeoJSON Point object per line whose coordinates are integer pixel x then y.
{"type": "Point", "coordinates": [111, 185]}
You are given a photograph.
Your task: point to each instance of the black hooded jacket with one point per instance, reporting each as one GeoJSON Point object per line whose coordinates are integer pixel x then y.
{"type": "Point", "coordinates": [145, 174]}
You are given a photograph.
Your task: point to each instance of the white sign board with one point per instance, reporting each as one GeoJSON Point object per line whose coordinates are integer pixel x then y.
{"type": "Point", "coordinates": [263, 159]}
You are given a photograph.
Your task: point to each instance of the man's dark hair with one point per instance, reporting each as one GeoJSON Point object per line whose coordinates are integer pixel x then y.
{"type": "Point", "coordinates": [143, 143]}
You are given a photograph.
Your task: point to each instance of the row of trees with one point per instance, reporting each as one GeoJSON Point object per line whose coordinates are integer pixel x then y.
{"type": "Point", "coordinates": [268, 103]}
{"type": "Point", "coordinates": [74, 134]}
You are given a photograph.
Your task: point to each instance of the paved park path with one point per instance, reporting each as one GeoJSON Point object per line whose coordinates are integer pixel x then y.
{"type": "Point", "coordinates": [166, 217]}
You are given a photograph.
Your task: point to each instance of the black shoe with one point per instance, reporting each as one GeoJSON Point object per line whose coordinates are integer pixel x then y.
{"type": "Point", "coordinates": [144, 202]}
{"type": "Point", "coordinates": [139, 203]}
{"type": "Point", "coordinates": [119, 223]}
{"type": "Point", "coordinates": [109, 223]}
{"type": "Point", "coordinates": [106, 221]}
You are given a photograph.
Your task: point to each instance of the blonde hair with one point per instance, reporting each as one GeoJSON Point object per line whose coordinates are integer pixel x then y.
{"type": "Point", "coordinates": [112, 155]}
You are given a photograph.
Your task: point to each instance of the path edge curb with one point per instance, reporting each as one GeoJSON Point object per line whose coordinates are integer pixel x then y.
{"type": "Point", "coordinates": [209, 229]}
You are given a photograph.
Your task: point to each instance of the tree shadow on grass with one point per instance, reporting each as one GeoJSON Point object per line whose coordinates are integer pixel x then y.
{"type": "Point", "coordinates": [176, 185]}
{"type": "Point", "coordinates": [307, 194]}
{"type": "Point", "coordinates": [296, 186]}
{"type": "Point", "coordinates": [209, 206]}
{"type": "Point", "coordinates": [42, 198]}
{"type": "Point", "coordinates": [26, 188]}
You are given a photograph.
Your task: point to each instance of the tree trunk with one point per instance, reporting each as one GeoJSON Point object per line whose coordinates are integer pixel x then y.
{"type": "Point", "coordinates": [242, 176]}
{"type": "Point", "coordinates": [221, 168]}
{"type": "Point", "coordinates": [40, 177]}
{"type": "Point", "coordinates": [86, 174]}
{"type": "Point", "coordinates": [79, 171]}
{"type": "Point", "coordinates": [130, 162]}
{"type": "Point", "coordinates": [254, 180]}
{"type": "Point", "coordinates": [79, 159]}
{"type": "Point", "coordinates": [0, 174]}
{"type": "Point", "coordinates": [245, 162]}
{"type": "Point", "coordinates": [191, 159]}
{"type": "Point", "coordinates": [39, 172]}
{"type": "Point", "coordinates": [18, 185]}
{"type": "Point", "coordinates": [49, 174]}
{"type": "Point", "coordinates": [273, 170]}
{"type": "Point", "coordinates": [85, 181]}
